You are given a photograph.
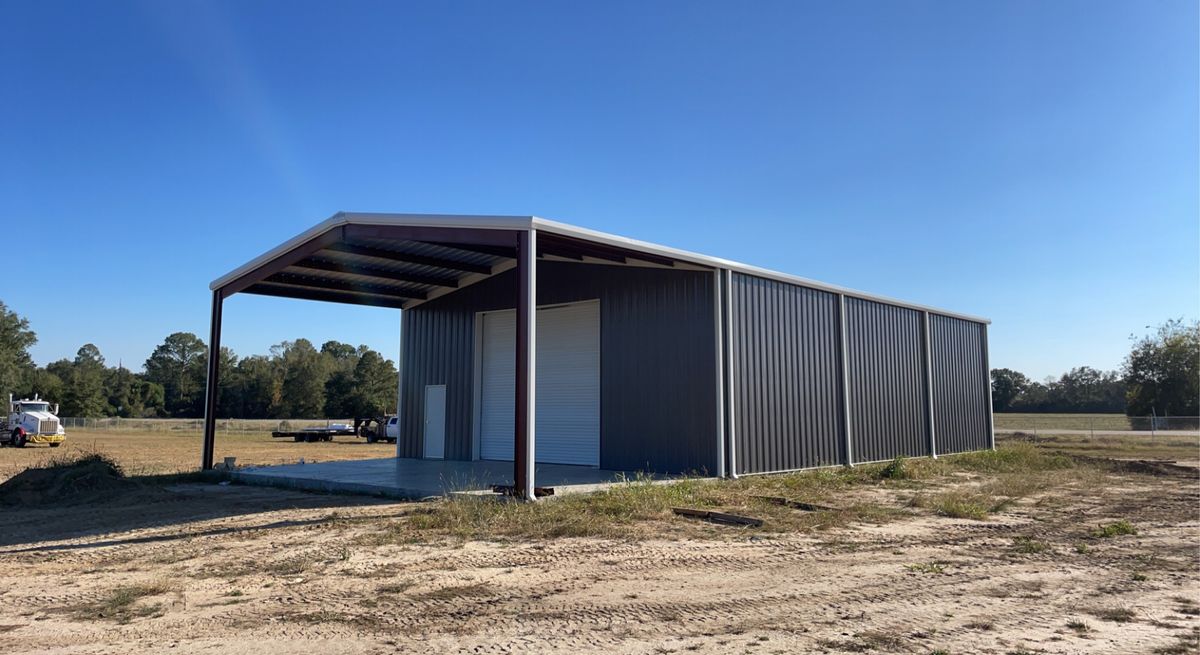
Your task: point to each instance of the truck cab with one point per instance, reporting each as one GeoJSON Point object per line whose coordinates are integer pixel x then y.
{"type": "Point", "coordinates": [31, 421]}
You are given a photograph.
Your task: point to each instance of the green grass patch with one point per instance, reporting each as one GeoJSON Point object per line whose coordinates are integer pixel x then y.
{"type": "Point", "coordinates": [960, 504]}
{"type": "Point", "coordinates": [121, 604]}
{"type": "Point", "coordinates": [1119, 528]}
{"type": "Point", "coordinates": [895, 470]}
{"type": "Point", "coordinates": [641, 507]}
{"type": "Point", "coordinates": [1030, 546]}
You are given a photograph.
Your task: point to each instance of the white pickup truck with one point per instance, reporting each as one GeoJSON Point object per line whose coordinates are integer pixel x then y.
{"type": "Point", "coordinates": [31, 421]}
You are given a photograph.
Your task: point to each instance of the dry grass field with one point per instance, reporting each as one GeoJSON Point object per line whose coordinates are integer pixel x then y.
{"type": "Point", "coordinates": [1025, 421]}
{"type": "Point", "coordinates": [1044, 546]}
{"type": "Point", "coordinates": [142, 452]}
{"type": "Point", "coordinates": [1099, 422]}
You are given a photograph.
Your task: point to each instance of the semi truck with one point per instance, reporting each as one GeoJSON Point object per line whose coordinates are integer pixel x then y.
{"type": "Point", "coordinates": [31, 421]}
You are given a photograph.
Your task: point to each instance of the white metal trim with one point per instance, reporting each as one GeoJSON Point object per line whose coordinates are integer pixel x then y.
{"type": "Point", "coordinates": [929, 387]}
{"type": "Point", "coordinates": [844, 347]}
{"type": "Point", "coordinates": [529, 255]}
{"type": "Point", "coordinates": [719, 352]}
{"type": "Point", "coordinates": [731, 390]}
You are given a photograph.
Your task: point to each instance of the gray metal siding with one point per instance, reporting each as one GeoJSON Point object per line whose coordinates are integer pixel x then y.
{"type": "Point", "coordinates": [436, 361]}
{"type": "Point", "coordinates": [888, 409]}
{"type": "Point", "coordinates": [786, 376]}
{"type": "Point", "coordinates": [960, 384]}
{"type": "Point", "coordinates": [657, 366]}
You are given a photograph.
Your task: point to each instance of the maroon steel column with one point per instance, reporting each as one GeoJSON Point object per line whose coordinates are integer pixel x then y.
{"type": "Point", "coordinates": [213, 383]}
{"type": "Point", "coordinates": [523, 449]}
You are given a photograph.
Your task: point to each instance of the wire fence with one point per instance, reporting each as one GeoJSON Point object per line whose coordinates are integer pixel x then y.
{"type": "Point", "coordinates": [192, 425]}
{"type": "Point", "coordinates": [1005, 422]}
{"type": "Point", "coordinates": [1096, 424]}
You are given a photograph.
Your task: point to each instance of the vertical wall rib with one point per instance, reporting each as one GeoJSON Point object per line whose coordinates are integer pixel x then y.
{"type": "Point", "coordinates": [785, 376]}
{"type": "Point", "coordinates": [887, 386]}
{"type": "Point", "coordinates": [960, 384]}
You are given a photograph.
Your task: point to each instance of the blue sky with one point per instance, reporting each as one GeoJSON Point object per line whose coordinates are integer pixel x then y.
{"type": "Point", "coordinates": [1033, 162]}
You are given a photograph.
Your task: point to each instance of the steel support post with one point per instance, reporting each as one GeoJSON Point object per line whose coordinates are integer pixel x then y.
{"type": "Point", "coordinates": [987, 385]}
{"type": "Point", "coordinates": [525, 411]}
{"type": "Point", "coordinates": [213, 382]}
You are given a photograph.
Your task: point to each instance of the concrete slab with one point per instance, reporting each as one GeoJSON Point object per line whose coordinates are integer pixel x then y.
{"type": "Point", "coordinates": [405, 478]}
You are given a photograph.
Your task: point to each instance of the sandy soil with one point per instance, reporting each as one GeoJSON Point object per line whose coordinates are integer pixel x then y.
{"type": "Point", "coordinates": [248, 570]}
{"type": "Point", "coordinates": [143, 452]}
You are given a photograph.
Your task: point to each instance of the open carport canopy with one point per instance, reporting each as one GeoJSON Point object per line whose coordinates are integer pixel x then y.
{"type": "Point", "coordinates": [403, 260]}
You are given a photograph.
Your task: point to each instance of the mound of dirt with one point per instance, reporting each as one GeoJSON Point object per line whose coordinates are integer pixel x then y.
{"type": "Point", "coordinates": [88, 478]}
{"type": "Point", "coordinates": [1143, 466]}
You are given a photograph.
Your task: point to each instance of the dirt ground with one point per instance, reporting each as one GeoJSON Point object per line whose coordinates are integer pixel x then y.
{"type": "Point", "coordinates": [192, 568]}
{"type": "Point", "coordinates": [146, 453]}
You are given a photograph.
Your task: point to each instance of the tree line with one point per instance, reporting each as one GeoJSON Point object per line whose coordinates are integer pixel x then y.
{"type": "Point", "coordinates": [295, 380]}
{"type": "Point", "coordinates": [1160, 375]}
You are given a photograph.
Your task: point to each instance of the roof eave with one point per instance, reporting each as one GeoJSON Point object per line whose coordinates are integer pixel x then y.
{"type": "Point", "coordinates": [502, 222]}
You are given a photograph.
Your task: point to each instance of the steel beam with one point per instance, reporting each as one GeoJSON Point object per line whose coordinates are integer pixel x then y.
{"type": "Point", "coordinates": [424, 260]}
{"type": "Point", "coordinates": [305, 293]}
{"type": "Point", "coordinates": [604, 251]}
{"type": "Point", "coordinates": [313, 245]}
{"type": "Point", "coordinates": [371, 271]}
{"type": "Point", "coordinates": [524, 447]}
{"type": "Point", "coordinates": [322, 284]}
{"type": "Point", "coordinates": [212, 382]}
{"type": "Point", "coordinates": [508, 252]}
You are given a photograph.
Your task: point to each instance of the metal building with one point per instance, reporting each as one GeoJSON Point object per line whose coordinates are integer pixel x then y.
{"type": "Point", "coordinates": [533, 341]}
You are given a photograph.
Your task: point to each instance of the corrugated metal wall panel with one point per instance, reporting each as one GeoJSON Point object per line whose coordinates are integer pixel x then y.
{"type": "Point", "coordinates": [961, 384]}
{"type": "Point", "coordinates": [657, 362]}
{"type": "Point", "coordinates": [786, 376]}
{"type": "Point", "coordinates": [888, 409]}
{"type": "Point", "coordinates": [437, 363]}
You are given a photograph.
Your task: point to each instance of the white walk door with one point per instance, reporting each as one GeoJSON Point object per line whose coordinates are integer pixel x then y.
{"type": "Point", "coordinates": [435, 421]}
{"type": "Point", "coordinates": [567, 390]}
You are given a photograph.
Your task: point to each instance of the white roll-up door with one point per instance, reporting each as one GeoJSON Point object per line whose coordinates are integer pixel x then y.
{"type": "Point", "coordinates": [567, 430]}
{"type": "Point", "coordinates": [497, 377]}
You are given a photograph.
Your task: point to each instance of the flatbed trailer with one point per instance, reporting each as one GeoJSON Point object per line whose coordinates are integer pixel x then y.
{"type": "Point", "coordinates": [315, 434]}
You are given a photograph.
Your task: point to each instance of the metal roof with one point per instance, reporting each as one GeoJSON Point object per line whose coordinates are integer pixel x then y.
{"type": "Point", "coordinates": [392, 272]}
